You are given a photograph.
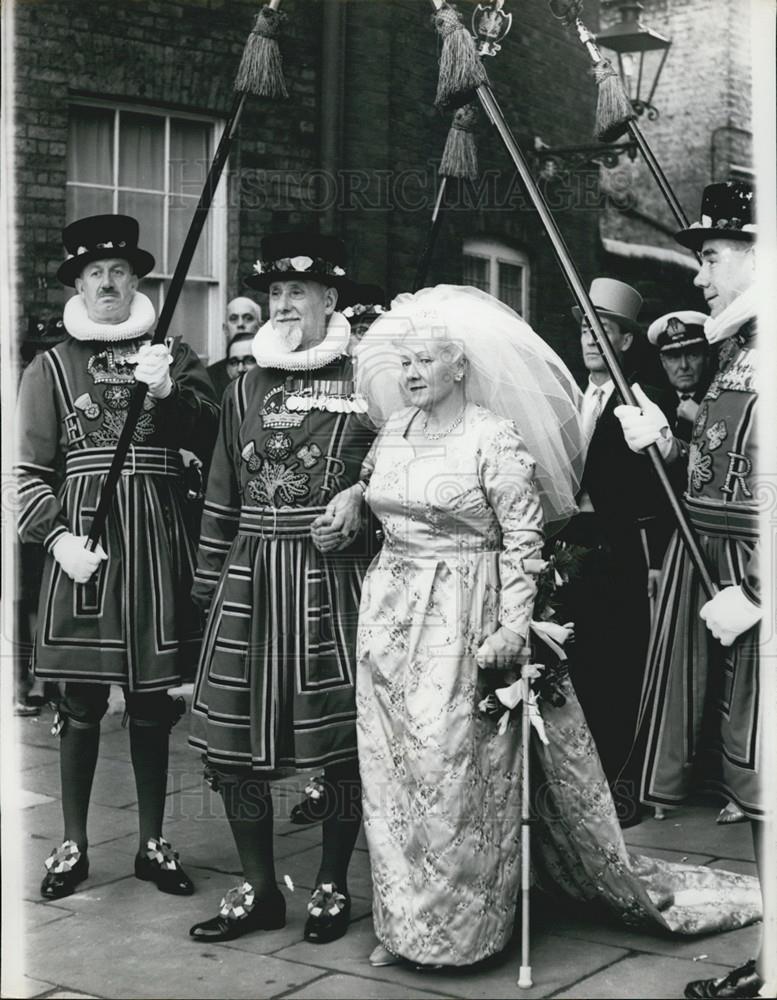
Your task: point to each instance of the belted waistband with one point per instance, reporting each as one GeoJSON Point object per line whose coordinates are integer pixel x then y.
{"type": "Point", "coordinates": [269, 522]}
{"type": "Point", "coordinates": [140, 460]}
{"type": "Point", "coordinates": [721, 520]}
{"type": "Point", "coordinates": [432, 551]}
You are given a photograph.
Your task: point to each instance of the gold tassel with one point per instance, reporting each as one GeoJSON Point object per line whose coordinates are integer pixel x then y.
{"type": "Point", "coordinates": [460, 67]}
{"type": "Point", "coordinates": [261, 68]}
{"type": "Point", "coordinates": [460, 156]}
{"type": "Point", "coordinates": [613, 108]}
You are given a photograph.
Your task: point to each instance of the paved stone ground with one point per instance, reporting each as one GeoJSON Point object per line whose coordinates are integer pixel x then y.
{"type": "Point", "coordinates": [122, 938]}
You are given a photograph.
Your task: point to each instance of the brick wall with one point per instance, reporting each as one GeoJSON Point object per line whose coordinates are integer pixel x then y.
{"type": "Point", "coordinates": [165, 54]}
{"type": "Point", "coordinates": [541, 81]}
{"type": "Point", "coordinates": [180, 55]}
{"type": "Point", "coordinates": [705, 108]}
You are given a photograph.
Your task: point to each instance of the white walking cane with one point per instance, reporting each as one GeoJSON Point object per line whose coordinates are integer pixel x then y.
{"type": "Point", "coordinates": [524, 976]}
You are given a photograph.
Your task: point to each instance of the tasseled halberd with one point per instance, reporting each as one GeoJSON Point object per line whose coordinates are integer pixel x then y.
{"type": "Point", "coordinates": [261, 68]}
{"type": "Point", "coordinates": [613, 108]}
{"type": "Point", "coordinates": [461, 70]}
{"type": "Point", "coordinates": [460, 156]}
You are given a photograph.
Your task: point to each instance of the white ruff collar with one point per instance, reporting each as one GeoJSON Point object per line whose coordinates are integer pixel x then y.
{"type": "Point", "coordinates": [276, 350]}
{"type": "Point", "coordinates": [735, 315]}
{"type": "Point", "coordinates": [140, 320]}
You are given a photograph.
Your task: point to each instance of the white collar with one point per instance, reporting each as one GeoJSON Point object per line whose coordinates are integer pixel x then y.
{"type": "Point", "coordinates": [736, 314]}
{"type": "Point", "coordinates": [273, 349]}
{"type": "Point", "coordinates": [140, 320]}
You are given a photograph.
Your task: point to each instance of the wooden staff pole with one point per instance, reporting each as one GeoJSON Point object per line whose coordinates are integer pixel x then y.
{"type": "Point", "coordinates": [431, 239]}
{"type": "Point", "coordinates": [588, 41]}
{"type": "Point", "coordinates": [135, 405]}
{"type": "Point", "coordinates": [494, 112]}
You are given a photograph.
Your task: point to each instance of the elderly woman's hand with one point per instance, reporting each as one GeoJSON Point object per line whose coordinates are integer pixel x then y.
{"type": "Point", "coordinates": [501, 651]}
{"type": "Point", "coordinates": [337, 527]}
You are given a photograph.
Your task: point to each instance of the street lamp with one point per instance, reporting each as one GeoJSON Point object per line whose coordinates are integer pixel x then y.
{"type": "Point", "coordinates": [637, 48]}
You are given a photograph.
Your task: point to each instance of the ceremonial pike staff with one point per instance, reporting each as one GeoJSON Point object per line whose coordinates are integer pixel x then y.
{"type": "Point", "coordinates": [469, 75]}
{"type": "Point", "coordinates": [259, 73]}
{"type": "Point", "coordinates": [614, 112]}
{"type": "Point", "coordinates": [459, 157]}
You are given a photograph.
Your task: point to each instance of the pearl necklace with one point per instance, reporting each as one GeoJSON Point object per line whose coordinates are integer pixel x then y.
{"type": "Point", "coordinates": [436, 435]}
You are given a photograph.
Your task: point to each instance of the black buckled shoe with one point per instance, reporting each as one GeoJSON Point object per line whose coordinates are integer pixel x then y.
{"type": "Point", "coordinates": [161, 866]}
{"type": "Point", "coordinates": [742, 982]}
{"type": "Point", "coordinates": [328, 914]}
{"type": "Point", "coordinates": [240, 913]}
{"type": "Point", "coordinates": [66, 867]}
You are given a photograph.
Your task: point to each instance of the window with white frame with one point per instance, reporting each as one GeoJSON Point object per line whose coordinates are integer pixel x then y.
{"type": "Point", "coordinates": [498, 270]}
{"type": "Point", "coordinates": [152, 165]}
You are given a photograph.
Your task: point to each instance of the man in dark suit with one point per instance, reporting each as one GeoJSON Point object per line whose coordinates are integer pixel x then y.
{"type": "Point", "coordinates": [608, 600]}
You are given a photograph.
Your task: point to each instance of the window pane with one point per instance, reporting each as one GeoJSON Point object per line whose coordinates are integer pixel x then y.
{"type": "Point", "coordinates": [475, 272]}
{"type": "Point", "coordinates": [141, 151]}
{"type": "Point", "coordinates": [511, 286]}
{"type": "Point", "coordinates": [181, 212]}
{"type": "Point", "coordinates": [90, 145]}
{"type": "Point", "coordinates": [148, 209]}
{"type": "Point", "coordinates": [190, 155]}
{"type": "Point", "coordinates": [190, 319]}
{"type": "Point", "coordinates": [152, 287]}
{"type": "Point", "coordinates": [83, 201]}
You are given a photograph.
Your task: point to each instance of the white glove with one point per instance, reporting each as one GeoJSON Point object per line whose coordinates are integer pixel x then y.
{"type": "Point", "coordinates": [76, 560]}
{"type": "Point", "coordinates": [644, 424]}
{"type": "Point", "coordinates": [153, 368]}
{"type": "Point", "coordinates": [729, 614]}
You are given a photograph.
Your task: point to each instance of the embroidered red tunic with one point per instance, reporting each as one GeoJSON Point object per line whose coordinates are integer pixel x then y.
{"type": "Point", "coordinates": [133, 623]}
{"type": "Point", "coordinates": [275, 684]}
{"type": "Point", "coordinates": [702, 706]}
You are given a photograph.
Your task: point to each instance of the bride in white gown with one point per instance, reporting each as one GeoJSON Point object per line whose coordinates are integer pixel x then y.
{"type": "Point", "coordinates": [467, 481]}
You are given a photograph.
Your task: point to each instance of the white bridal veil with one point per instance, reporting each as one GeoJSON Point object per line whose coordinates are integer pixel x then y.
{"type": "Point", "coordinates": [510, 371]}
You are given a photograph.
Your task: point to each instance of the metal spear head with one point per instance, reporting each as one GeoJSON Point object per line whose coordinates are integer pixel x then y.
{"type": "Point", "coordinates": [490, 24]}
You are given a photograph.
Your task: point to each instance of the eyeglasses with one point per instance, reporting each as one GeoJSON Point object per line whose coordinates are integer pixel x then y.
{"type": "Point", "coordinates": [245, 361]}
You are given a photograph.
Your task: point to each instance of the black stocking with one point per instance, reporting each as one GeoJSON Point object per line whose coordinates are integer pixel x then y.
{"type": "Point", "coordinates": [78, 747]}
{"type": "Point", "coordinates": [341, 826]}
{"type": "Point", "coordinates": [248, 806]}
{"type": "Point", "coordinates": [149, 744]}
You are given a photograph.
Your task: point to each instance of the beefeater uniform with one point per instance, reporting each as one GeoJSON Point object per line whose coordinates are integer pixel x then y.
{"type": "Point", "coordinates": [133, 623]}
{"type": "Point", "coordinates": [275, 685]}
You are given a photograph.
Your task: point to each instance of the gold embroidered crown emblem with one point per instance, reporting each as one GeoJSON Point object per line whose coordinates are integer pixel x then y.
{"type": "Point", "coordinates": [112, 366]}
{"type": "Point", "coordinates": [275, 414]}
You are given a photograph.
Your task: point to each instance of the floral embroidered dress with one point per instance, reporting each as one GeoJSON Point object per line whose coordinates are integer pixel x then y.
{"type": "Point", "coordinates": [133, 623]}
{"type": "Point", "coordinates": [441, 786]}
{"type": "Point", "coordinates": [275, 683]}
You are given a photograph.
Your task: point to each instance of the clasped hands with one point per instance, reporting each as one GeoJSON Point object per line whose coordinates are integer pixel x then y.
{"type": "Point", "coordinates": [337, 527]}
